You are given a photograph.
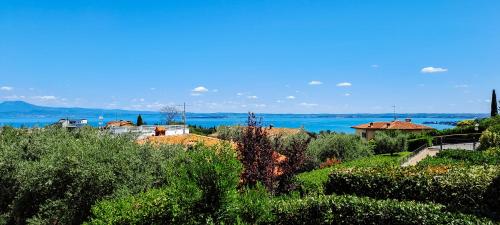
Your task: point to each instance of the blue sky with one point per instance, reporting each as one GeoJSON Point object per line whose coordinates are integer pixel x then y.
{"type": "Point", "coordinates": [264, 56]}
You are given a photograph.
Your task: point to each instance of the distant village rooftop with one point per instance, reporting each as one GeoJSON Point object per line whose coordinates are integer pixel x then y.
{"type": "Point", "coordinates": [368, 130]}
{"type": "Point", "coordinates": [393, 125]}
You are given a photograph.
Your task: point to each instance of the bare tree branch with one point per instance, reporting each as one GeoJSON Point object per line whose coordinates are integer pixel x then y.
{"type": "Point", "coordinates": [169, 113]}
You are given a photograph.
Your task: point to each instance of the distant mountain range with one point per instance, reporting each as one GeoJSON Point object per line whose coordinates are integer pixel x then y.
{"type": "Point", "coordinates": [21, 108]}
{"type": "Point", "coordinates": [24, 109]}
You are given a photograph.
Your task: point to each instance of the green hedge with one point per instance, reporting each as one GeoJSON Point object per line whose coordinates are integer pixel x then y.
{"type": "Point", "coordinates": [361, 210]}
{"type": "Point", "coordinates": [461, 157]}
{"type": "Point", "coordinates": [414, 144]}
{"type": "Point", "coordinates": [312, 182]}
{"type": "Point", "coordinates": [460, 188]}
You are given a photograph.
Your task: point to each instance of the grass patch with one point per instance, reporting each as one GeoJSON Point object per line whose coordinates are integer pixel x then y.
{"type": "Point", "coordinates": [312, 182]}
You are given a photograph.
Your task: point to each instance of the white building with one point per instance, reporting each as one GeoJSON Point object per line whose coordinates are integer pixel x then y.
{"type": "Point", "coordinates": [69, 123]}
{"type": "Point", "coordinates": [145, 131]}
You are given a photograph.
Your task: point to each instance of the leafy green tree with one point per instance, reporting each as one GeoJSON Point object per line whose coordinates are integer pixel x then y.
{"type": "Point", "coordinates": [139, 120]}
{"type": "Point", "coordinates": [54, 176]}
{"type": "Point", "coordinates": [390, 142]}
{"type": "Point", "coordinates": [343, 147]}
{"type": "Point", "coordinates": [494, 107]}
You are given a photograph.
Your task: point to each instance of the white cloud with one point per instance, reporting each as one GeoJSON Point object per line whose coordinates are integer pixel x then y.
{"type": "Point", "coordinates": [239, 94]}
{"type": "Point", "coordinates": [152, 89]}
{"type": "Point", "coordinates": [347, 94]}
{"type": "Point", "coordinates": [260, 105]}
{"type": "Point", "coordinates": [252, 97]}
{"type": "Point", "coordinates": [138, 100]}
{"type": "Point", "coordinates": [291, 97]}
{"type": "Point", "coordinates": [431, 69]}
{"type": "Point", "coordinates": [6, 88]}
{"type": "Point", "coordinates": [308, 104]}
{"type": "Point", "coordinates": [197, 91]}
{"type": "Point", "coordinates": [315, 82]}
{"type": "Point", "coordinates": [344, 84]}
{"type": "Point", "coordinates": [375, 66]}
{"type": "Point", "coordinates": [45, 97]}
{"type": "Point", "coordinates": [215, 90]}
{"type": "Point", "coordinates": [200, 89]}
{"type": "Point", "coordinates": [13, 97]}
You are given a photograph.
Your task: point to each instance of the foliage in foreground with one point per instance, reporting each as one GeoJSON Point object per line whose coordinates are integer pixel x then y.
{"type": "Point", "coordinates": [313, 182]}
{"type": "Point", "coordinates": [256, 207]}
{"type": "Point", "coordinates": [202, 188]}
{"type": "Point", "coordinates": [459, 188]}
{"type": "Point", "coordinates": [361, 210]}
{"type": "Point", "coordinates": [55, 176]}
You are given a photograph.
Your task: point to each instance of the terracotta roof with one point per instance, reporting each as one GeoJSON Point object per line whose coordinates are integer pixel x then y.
{"type": "Point", "coordinates": [394, 125]}
{"type": "Point", "coordinates": [184, 139]}
{"type": "Point", "coordinates": [119, 123]}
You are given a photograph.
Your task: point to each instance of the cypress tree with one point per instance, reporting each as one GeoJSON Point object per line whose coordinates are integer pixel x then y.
{"type": "Point", "coordinates": [494, 107]}
{"type": "Point", "coordinates": [139, 120]}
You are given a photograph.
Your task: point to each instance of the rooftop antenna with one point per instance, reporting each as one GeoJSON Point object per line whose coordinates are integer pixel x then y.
{"type": "Point", "coordinates": [394, 112]}
{"type": "Point", "coordinates": [184, 117]}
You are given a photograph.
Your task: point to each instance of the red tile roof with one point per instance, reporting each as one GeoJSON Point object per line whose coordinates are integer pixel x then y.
{"type": "Point", "coordinates": [394, 125]}
{"type": "Point", "coordinates": [119, 123]}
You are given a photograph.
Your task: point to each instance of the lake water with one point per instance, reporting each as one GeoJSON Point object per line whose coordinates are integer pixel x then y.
{"type": "Point", "coordinates": [311, 122]}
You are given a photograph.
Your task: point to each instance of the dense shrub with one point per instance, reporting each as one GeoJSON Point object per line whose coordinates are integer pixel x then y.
{"type": "Point", "coordinates": [343, 147]}
{"type": "Point", "coordinates": [313, 182]}
{"type": "Point", "coordinates": [253, 206]}
{"type": "Point", "coordinates": [390, 142]}
{"type": "Point", "coordinates": [202, 188]}
{"type": "Point", "coordinates": [459, 188]}
{"type": "Point", "coordinates": [54, 176]}
{"type": "Point", "coordinates": [493, 197]}
{"type": "Point", "coordinates": [230, 133]}
{"type": "Point", "coordinates": [361, 210]}
{"type": "Point", "coordinates": [293, 147]}
{"type": "Point", "coordinates": [464, 158]}
{"type": "Point", "coordinates": [465, 123]}
{"type": "Point", "coordinates": [491, 137]}
{"type": "Point", "coordinates": [414, 144]}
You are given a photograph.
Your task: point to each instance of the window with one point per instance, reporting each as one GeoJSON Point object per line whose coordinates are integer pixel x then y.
{"type": "Point", "coordinates": [363, 134]}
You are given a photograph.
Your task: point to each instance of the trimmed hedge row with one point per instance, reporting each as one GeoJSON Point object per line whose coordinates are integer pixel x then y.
{"type": "Point", "coordinates": [414, 144]}
{"type": "Point", "coordinates": [460, 189]}
{"type": "Point", "coordinates": [461, 157]}
{"type": "Point", "coordinates": [160, 207]}
{"type": "Point", "coordinates": [362, 210]}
